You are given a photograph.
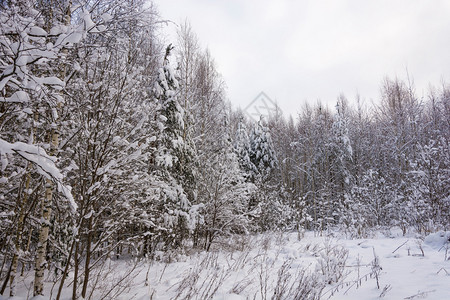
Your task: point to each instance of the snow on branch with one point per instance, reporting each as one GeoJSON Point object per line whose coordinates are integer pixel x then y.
{"type": "Point", "coordinates": [45, 164]}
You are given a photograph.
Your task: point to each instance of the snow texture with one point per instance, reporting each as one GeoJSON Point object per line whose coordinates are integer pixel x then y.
{"type": "Point", "coordinates": [406, 267]}
{"type": "Point", "coordinates": [44, 163]}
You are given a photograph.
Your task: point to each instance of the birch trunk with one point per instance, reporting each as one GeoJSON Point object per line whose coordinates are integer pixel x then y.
{"type": "Point", "coordinates": [46, 211]}
{"type": "Point", "coordinates": [46, 204]}
{"type": "Point", "coordinates": [40, 264]}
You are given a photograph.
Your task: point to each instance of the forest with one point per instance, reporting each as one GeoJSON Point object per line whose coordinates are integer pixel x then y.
{"type": "Point", "coordinates": [116, 143]}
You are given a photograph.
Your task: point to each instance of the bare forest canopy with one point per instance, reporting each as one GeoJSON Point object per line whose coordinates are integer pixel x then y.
{"type": "Point", "coordinates": [115, 144]}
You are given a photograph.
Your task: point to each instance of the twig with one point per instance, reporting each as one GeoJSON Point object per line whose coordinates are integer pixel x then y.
{"type": "Point", "coordinates": [376, 267]}
{"type": "Point", "coordinates": [446, 272]}
{"type": "Point", "coordinates": [400, 246]}
{"type": "Point", "coordinates": [386, 289]}
{"type": "Point", "coordinates": [162, 273]}
{"type": "Point", "coordinates": [420, 294]}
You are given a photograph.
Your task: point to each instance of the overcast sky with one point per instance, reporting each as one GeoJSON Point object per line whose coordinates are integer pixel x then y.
{"type": "Point", "coordinates": [297, 51]}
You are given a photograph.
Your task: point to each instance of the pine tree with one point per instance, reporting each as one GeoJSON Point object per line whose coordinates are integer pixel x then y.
{"type": "Point", "coordinates": [262, 154]}
{"type": "Point", "coordinates": [267, 197]}
{"type": "Point", "coordinates": [242, 149]}
{"type": "Point", "coordinates": [174, 153]}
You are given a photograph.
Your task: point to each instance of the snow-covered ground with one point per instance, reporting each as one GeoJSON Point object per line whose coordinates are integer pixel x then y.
{"type": "Point", "coordinates": [282, 266]}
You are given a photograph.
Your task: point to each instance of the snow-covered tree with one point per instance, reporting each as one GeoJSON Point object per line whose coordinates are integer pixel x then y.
{"type": "Point", "coordinates": [426, 189]}
{"type": "Point", "coordinates": [34, 48]}
{"type": "Point", "coordinates": [226, 193]}
{"type": "Point", "coordinates": [175, 152]}
{"type": "Point", "coordinates": [340, 155]}
{"type": "Point", "coordinates": [109, 136]}
{"type": "Point", "coordinates": [262, 154]}
{"type": "Point", "coordinates": [242, 149]}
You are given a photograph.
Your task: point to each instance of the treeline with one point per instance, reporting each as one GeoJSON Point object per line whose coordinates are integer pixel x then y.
{"type": "Point", "coordinates": [116, 144]}
{"type": "Point", "coordinates": [363, 167]}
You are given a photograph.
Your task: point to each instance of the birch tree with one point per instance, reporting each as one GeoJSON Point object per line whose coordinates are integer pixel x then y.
{"type": "Point", "coordinates": [31, 79]}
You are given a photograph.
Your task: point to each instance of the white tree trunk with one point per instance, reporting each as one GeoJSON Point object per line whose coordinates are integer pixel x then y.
{"type": "Point", "coordinates": [46, 208]}
{"type": "Point", "coordinates": [40, 263]}
{"type": "Point", "coordinates": [46, 203]}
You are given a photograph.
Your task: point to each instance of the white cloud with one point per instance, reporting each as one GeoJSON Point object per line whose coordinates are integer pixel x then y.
{"type": "Point", "coordinates": [310, 49]}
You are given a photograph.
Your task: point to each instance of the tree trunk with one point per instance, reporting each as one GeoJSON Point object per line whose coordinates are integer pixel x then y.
{"type": "Point", "coordinates": [27, 248]}
{"type": "Point", "coordinates": [75, 275]}
{"type": "Point", "coordinates": [20, 224]}
{"type": "Point", "coordinates": [46, 203]}
{"type": "Point", "coordinates": [88, 259]}
{"type": "Point", "coordinates": [46, 206]}
{"type": "Point", "coordinates": [66, 268]}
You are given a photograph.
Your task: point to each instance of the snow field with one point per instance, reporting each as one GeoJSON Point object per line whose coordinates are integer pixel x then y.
{"type": "Point", "coordinates": [406, 267]}
{"type": "Point", "coordinates": [280, 266]}
{"type": "Point", "coordinates": [411, 269]}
